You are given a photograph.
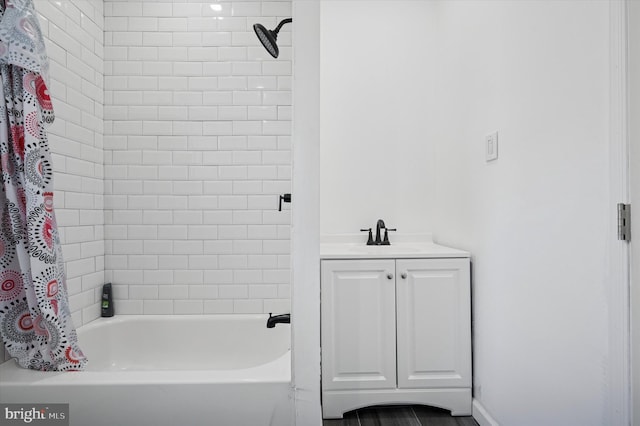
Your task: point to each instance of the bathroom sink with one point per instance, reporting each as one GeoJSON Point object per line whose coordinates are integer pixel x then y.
{"type": "Point", "coordinates": [396, 250]}
{"type": "Point", "coordinates": [392, 249]}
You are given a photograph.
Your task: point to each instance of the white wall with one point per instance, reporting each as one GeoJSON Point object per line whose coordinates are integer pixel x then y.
{"type": "Point", "coordinates": [418, 85]}
{"type": "Point", "coordinates": [74, 39]}
{"type": "Point", "coordinates": [377, 115]}
{"type": "Point", "coordinates": [536, 219]}
{"type": "Point", "coordinates": [305, 326]}
{"type": "Point", "coordinates": [197, 150]}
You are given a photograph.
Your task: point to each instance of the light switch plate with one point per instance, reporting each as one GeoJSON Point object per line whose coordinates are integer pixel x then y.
{"type": "Point", "coordinates": [491, 146]}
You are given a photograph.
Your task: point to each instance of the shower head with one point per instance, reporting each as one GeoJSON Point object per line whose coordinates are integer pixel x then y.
{"type": "Point", "coordinates": [269, 38]}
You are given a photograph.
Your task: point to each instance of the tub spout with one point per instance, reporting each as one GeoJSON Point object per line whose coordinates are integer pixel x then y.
{"type": "Point", "coordinates": [273, 320]}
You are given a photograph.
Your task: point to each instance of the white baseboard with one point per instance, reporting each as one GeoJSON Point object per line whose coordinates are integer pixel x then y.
{"type": "Point", "coordinates": [482, 416]}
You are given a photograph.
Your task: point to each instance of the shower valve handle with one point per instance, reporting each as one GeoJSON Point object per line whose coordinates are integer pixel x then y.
{"type": "Point", "coordinates": [284, 197]}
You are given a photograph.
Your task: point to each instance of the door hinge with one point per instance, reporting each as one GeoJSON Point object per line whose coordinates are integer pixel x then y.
{"type": "Point", "coordinates": [624, 222]}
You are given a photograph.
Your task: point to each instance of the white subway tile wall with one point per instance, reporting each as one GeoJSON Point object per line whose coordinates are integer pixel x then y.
{"type": "Point", "coordinates": [74, 37]}
{"type": "Point", "coordinates": [197, 122]}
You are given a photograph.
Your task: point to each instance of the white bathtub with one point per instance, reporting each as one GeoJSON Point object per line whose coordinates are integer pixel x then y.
{"type": "Point", "coordinates": [217, 370]}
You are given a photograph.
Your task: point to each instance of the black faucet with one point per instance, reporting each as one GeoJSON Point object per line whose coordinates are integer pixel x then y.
{"type": "Point", "coordinates": [379, 241]}
{"type": "Point", "coordinates": [278, 319]}
{"type": "Point", "coordinates": [380, 225]}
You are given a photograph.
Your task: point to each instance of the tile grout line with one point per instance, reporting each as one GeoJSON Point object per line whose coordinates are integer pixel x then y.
{"type": "Point", "coordinates": [416, 416]}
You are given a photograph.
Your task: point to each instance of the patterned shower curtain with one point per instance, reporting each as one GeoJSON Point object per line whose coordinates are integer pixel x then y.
{"type": "Point", "coordinates": [35, 320]}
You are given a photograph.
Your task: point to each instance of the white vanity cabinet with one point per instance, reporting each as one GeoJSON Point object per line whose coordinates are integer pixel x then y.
{"type": "Point", "coordinates": [395, 331]}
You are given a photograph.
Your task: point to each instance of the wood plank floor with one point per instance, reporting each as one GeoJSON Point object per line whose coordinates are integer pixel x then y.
{"type": "Point", "coordinates": [415, 415]}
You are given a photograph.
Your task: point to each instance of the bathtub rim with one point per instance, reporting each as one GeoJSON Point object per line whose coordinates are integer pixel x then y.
{"type": "Point", "coordinates": [274, 371]}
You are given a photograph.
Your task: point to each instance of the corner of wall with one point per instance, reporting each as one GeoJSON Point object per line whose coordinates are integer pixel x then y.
{"type": "Point", "coordinates": [482, 416]}
{"type": "Point", "coordinates": [74, 41]}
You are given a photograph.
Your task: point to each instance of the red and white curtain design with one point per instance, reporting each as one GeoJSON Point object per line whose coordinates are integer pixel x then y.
{"type": "Point", "coordinates": [35, 320]}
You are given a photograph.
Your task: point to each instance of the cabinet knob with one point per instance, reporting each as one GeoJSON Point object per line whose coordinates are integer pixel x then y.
{"type": "Point", "coordinates": [404, 275]}
{"type": "Point", "coordinates": [390, 275]}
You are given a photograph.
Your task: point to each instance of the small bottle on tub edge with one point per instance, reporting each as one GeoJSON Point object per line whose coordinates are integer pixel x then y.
{"type": "Point", "coordinates": [107, 301]}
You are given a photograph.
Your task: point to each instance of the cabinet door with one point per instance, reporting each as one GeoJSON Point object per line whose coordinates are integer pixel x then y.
{"type": "Point", "coordinates": [358, 324]}
{"type": "Point", "coordinates": [434, 325]}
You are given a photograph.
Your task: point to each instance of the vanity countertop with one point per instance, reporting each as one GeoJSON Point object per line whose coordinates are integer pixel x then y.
{"type": "Point", "coordinates": [398, 250]}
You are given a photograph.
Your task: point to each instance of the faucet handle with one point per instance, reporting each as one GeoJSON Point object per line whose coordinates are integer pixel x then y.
{"type": "Point", "coordinates": [370, 240]}
{"type": "Point", "coordinates": [385, 241]}
{"type": "Point", "coordinates": [284, 197]}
